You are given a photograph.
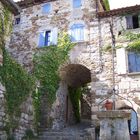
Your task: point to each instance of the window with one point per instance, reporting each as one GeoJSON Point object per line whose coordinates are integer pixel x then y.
{"type": "Point", "coordinates": [17, 20]}
{"type": "Point", "coordinates": [77, 32]}
{"type": "Point", "coordinates": [46, 8]}
{"type": "Point", "coordinates": [48, 38]}
{"type": "Point", "coordinates": [133, 21]}
{"type": "Point", "coordinates": [77, 3]}
{"type": "Point", "coordinates": [133, 62]}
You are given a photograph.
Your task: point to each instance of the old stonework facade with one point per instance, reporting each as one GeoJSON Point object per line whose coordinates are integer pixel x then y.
{"type": "Point", "coordinates": [100, 59]}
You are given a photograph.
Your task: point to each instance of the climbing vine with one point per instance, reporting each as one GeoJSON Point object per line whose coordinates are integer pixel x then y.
{"type": "Point", "coordinates": [18, 84]}
{"type": "Point", "coordinates": [47, 61]}
{"type": "Point", "coordinates": [75, 96]}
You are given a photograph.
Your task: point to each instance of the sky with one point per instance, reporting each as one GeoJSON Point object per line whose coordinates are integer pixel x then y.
{"type": "Point", "coordinates": [122, 3]}
{"type": "Point", "coordinates": [118, 3]}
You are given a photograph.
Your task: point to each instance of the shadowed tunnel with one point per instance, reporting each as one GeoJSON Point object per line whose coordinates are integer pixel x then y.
{"type": "Point", "coordinates": [76, 75]}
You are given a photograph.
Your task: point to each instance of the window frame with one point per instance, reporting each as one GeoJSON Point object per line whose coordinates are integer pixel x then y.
{"type": "Point", "coordinates": [76, 6]}
{"type": "Point", "coordinates": [75, 30]}
{"type": "Point", "coordinates": [128, 65]}
{"type": "Point", "coordinates": [48, 10]}
{"type": "Point", "coordinates": [130, 18]}
{"type": "Point", "coordinates": [47, 41]}
{"type": "Point", "coordinates": [15, 20]}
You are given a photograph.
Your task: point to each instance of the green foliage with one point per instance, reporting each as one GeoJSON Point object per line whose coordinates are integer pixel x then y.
{"type": "Point", "coordinates": [107, 48]}
{"type": "Point", "coordinates": [132, 36]}
{"type": "Point", "coordinates": [75, 96]}
{"type": "Point", "coordinates": [37, 107]}
{"type": "Point", "coordinates": [5, 23]}
{"type": "Point", "coordinates": [47, 62]}
{"type": "Point", "coordinates": [28, 135]}
{"type": "Point", "coordinates": [134, 46]}
{"type": "Point", "coordinates": [18, 84]}
{"type": "Point", "coordinates": [106, 3]}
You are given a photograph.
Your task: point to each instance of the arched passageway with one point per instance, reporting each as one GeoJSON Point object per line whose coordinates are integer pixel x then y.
{"type": "Point", "coordinates": [76, 77]}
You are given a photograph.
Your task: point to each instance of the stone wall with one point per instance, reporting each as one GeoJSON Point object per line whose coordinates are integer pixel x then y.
{"type": "Point", "coordinates": [89, 53]}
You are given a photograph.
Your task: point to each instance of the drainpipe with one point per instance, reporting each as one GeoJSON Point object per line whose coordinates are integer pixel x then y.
{"type": "Point", "coordinates": [113, 66]}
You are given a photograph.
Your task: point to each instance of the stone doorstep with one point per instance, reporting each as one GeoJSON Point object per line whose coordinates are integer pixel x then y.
{"type": "Point", "coordinates": [112, 114]}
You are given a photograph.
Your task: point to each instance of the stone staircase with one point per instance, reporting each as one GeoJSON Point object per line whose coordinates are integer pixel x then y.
{"type": "Point", "coordinates": [76, 132]}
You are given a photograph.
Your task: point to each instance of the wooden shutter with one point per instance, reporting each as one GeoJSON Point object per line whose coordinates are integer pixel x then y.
{"type": "Point", "coordinates": [129, 22]}
{"type": "Point", "coordinates": [41, 39]}
{"type": "Point", "coordinates": [138, 62]}
{"type": "Point", "coordinates": [54, 36]}
{"type": "Point", "coordinates": [121, 61]}
{"type": "Point", "coordinates": [132, 62]}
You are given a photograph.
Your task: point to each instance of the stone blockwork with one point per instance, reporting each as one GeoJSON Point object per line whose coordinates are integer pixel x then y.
{"type": "Point", "coordinates": [114, 125]}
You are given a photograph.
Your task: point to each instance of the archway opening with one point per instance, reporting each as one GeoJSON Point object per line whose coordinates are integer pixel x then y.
{"type": "Point", "coordinates": [132, 124]}
{"type": "Point", "coordinates": [78, 104]}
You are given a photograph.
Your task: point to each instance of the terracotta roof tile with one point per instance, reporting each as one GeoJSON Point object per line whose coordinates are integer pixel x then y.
{"type": "Point", "coordinates": [119, 11]}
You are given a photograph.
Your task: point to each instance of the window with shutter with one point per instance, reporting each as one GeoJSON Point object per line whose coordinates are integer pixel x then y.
{"type": "Point", "coordinates": [132, 21]}
{"type": "Point", "coordinates": [77, 3]}
{"type": "Point", "coordinates": [46, 8]}
{"type": "Point", "coordinates": [133, 62]}
{"type": "Point", "coordinates": [48, 38]}
{"type": "Point", "coordinates": [77, 32]}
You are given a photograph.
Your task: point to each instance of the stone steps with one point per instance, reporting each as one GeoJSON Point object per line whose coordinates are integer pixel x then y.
{"type": "Point", "coordinates": [68, 134]}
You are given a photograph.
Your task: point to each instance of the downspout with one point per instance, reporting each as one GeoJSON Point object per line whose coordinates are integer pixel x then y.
{"type": "Point", "coordinates": [113, 65]}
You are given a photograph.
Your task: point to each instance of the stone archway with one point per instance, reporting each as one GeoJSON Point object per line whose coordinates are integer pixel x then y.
{"type": "Point", "coordinates": [74, 76]}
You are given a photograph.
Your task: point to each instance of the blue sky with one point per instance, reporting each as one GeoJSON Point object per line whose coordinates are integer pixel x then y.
{"type": "Point", "coordinates": [119, 3]}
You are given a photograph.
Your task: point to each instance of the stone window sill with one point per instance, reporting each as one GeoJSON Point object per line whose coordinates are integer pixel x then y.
{"type": "Point", "coordinates": [133, 73]}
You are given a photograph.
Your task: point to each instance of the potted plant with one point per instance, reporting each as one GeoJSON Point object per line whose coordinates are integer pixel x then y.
{"type": "Point", "coordinates": [108, 105]}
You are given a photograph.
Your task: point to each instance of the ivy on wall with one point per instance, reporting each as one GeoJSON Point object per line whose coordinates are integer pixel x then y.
{"type": "Point", "coordinates": [134, 39]}
{"type": "Point", "coordinates": [47, 61]}
{"type": "Point", "coordinates": [18, 83]}
{"type": "Point", "coordinates": [75, 96]}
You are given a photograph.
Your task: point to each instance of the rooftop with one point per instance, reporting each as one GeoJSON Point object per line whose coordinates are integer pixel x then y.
{"type": "Point", "coordinates": [119, 11]}
{"type": "Point", "coordinates": [28, 3]}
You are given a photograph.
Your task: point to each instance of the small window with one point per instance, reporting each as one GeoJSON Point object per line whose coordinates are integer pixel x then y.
{"type": "Point", "coordinates": [77, 32]}
{"type": "Point", "coordinates": [48, 38]}
{"type": "Point", "coordinates": [46, 8]}
{"type": "Point", "coordinates": [77, 3]}
{"type": "Point", "coordinates": [133, 21]}
{"type": "Point", "coordinates": [17, 20]}
{"type": "Point", "coordinates": [133, 62]}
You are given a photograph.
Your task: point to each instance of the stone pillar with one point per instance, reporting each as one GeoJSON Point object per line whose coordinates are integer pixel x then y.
{"type": "Point", "coordinates": [114, 125]}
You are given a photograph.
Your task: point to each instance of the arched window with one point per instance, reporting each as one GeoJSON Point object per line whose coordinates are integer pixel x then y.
{"type": "Point", "coordinates": [46, 8]}
{"type": "Point", "coordinates": [77, 3]}
{"type": "Point", "coordinates": [77, 32]}
{"type": "Point", "coordinates": [133, 123]}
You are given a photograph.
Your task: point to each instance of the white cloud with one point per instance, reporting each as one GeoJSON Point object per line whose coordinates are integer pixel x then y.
{"type": "Point", "coordinates": [122, 3]}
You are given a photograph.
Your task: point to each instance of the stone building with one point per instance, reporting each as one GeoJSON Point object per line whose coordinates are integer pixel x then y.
{"type": "Point", "coordinates": [94, 29]}
{"type": "Point", "coordinates": [4, 41]}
